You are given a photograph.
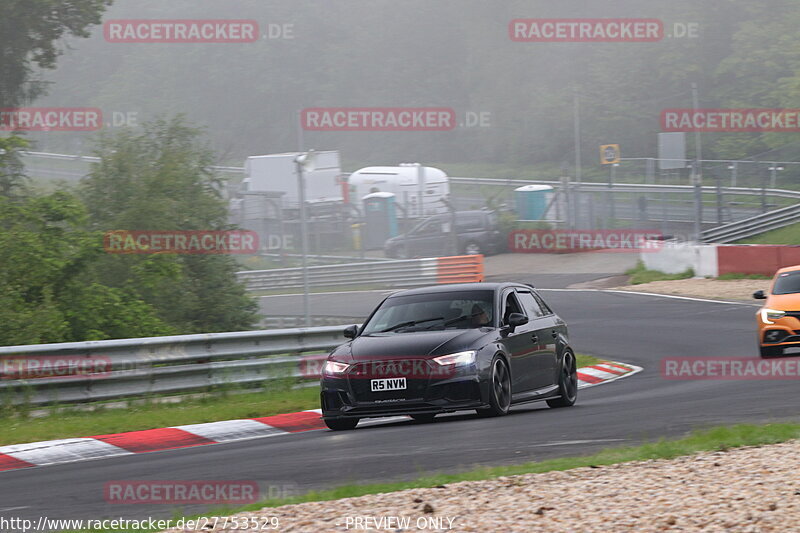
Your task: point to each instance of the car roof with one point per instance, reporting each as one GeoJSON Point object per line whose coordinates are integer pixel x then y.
{"type": "Point", "coordinates": [457, 287]}
{"type": "Point", "coordinates": [788, 269]}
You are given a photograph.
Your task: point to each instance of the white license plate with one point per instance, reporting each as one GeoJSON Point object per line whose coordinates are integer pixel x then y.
{"type": "Point", "coordinates": [380, 385]}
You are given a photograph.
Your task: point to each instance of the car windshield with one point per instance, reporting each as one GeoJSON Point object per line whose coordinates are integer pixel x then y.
{"type": "Point", "coordinates": [436, 310]}
{"type": "Point", "coordinates": [787, 283]}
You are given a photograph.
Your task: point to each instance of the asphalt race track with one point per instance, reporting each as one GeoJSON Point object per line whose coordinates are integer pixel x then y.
{"type": "Point", "coordinates": [626, 327]}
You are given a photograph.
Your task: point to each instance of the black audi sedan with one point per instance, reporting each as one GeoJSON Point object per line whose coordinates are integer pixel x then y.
{"type": "Point", "coordinates": [471, 346]}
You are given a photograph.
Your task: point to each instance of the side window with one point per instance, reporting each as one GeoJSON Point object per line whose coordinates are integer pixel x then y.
{"type": "Point", "coordinates": [543, 304]}
{"type": "Point", "coordinates": [430, 228]}
{"type": "Point", "coordinates": [511, 306]}
{"type": "Point", "coordinates": [466, 223]}
{"type": "Point", "coordinates": [530, 304]}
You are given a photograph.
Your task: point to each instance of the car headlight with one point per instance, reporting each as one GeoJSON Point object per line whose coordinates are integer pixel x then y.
{"type": "Point", "coordinates": [768, 315]}
{"type": "Point", "coordinates": [335, 367]}
{"type": "Point", "coordinates": [460, 358]}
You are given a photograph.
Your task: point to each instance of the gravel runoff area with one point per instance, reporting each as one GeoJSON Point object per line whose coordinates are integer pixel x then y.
{"type": "Point", "coordinates": [754, 489]}
{"type": "Point", "coordinates": [734, 289]}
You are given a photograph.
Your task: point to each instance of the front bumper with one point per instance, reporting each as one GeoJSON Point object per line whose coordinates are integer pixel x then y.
{"type": "Point", "coordinates": [779, 336]}
{"type": "Point", "coordinates": [349, 396]}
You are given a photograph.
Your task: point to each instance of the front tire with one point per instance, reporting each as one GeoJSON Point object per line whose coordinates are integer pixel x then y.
{"type": "Point", "coordinates": [341, 424]}
{"type": "Point", "coordinates": [567, 383]}
{"type": "Point", "coordinates": [768, 352]}
{"type": "Point", "coordinates": [499, 390]}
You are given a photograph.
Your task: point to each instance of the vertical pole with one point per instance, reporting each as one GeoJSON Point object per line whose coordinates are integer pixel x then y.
{"type": "Point", "coordinates": [300, 140]}
{"type": "Point", "coordinates": [650, 170]}
{"type": "Point", "coordinates": [734, 172]}
{"type": "Point", "coordinates": [763, 192]}
{"type": "Point", "coordinates": [576, 116]}
{"type": "Point", "coordinates": [301, 193]}
{"type": "Point", "coordinates": [719, 199]}
{"type": "Point", "coordinates": [611, 207]}
{"type": "Point", "coordinates": [697, 172]}
{"type": "Point", "coordinates": [421, 183]}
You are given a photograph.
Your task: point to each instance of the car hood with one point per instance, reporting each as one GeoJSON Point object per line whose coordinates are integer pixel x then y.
{"type": "Point", "coordinates": [783, 302]}
{"type": "Point", "coordinates": [416, 344]}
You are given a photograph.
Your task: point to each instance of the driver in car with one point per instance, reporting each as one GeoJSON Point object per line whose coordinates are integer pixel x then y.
{"type": "Point", "coordinates": [479, 316]}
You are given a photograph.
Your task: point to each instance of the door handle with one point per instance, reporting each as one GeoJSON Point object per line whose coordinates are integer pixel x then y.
{"type": "Point", "coordinates": [555, 334]}
{"type": "Point", "coordinates": [535, 338]}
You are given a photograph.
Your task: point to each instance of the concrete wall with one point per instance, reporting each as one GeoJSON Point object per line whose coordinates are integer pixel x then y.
{"type": "Point", "coordinates": [718, 259]}
{"type": "Point", "coordinates": [674, 258]}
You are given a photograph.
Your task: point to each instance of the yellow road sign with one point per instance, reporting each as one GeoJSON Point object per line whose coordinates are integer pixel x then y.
{"type": "Point", "coordinates": [609, 154]}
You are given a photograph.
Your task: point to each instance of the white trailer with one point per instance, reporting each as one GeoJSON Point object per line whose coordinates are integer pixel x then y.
{"type": "Point", "coordinates": [278, 173]}
{"type": "Point", "coordinates": [412, 186]}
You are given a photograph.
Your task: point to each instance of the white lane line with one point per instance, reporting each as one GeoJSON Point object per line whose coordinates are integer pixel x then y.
{"type": "Point", "coordinates": [568, 442]}
{"type": "Point", "coordinates": [690, 298]}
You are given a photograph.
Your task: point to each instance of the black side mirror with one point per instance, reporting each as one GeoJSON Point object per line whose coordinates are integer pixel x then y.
{"type": "Point", "coordinates": [515, 320]}
{"type": "Point", "coordinates": [350, 332]}
{"type": "Point", "coordinates": [759, 295]}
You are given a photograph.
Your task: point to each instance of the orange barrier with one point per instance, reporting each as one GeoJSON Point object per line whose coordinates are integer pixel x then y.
{"type": "Point", "coordinates": [459, 269]}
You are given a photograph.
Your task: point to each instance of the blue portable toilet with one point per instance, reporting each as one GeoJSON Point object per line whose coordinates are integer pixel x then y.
{"type": "Point", "coordinates": [532, 200]}
{"type": "Point", "coordinates": [380, 219]}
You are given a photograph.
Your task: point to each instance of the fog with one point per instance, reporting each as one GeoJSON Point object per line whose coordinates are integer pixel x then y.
{"type": "Point", "coordinates": [513, 102]}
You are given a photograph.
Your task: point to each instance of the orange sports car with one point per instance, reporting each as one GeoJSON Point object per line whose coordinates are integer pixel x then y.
{"type": "Point", "coordinates": [779, 319]}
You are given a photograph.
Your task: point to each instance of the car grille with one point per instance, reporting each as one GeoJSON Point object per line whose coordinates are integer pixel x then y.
{"type": "Point", "coordinates": [416, 371]}
{"type": "Point", "coordinates": [795, 314]}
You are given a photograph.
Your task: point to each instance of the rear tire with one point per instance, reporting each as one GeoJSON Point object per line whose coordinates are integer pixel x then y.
{"type": "Point", "coordinates": [499, 390]}
{"type": "Point", "coordinates": [341, 424]}
{"type": "Point", "coordinates": [768, 352]}
{"type": "Point", "coordinates": [567, 382]}
{"type": "Point", "coordinates": [424, 418]}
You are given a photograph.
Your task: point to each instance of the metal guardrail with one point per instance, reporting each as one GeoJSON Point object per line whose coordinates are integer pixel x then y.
{"type": "Point", "coordinates": [753, 226]}
{"type": "Point", "coordinates": [399, 273]}
{"type": "Point", "coordinates": [156, 365]}
{"type": "Point", "coordinates": [589, 186]}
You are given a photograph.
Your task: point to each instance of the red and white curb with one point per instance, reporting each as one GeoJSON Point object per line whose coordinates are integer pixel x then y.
{"type": "Point", "coordinates": [605, 372]}
{"type": "Point", "coordinates": [61, 451]}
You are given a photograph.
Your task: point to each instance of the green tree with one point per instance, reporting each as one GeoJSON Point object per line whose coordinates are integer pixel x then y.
{"type": "Point", "coordinates": [47, 290]}
{"type": "Point", "coordinates": [13, 180]}
{"type": "Point", "coordinates": [158, 178]}
{"type": "Point", "coordinates": [31, 31]}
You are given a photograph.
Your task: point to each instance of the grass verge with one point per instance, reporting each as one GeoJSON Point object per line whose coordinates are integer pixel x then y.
{"type": "Point", "coordinates": [732, 276]}
{"type": "Point", "coordinates": [640, 274]}
{"type": "Point", "coordinates": [785, 235]}
{"type": "Point", "coordinates": [720, 438]}
{"type": "Point", "coordinates": [66, 422]}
